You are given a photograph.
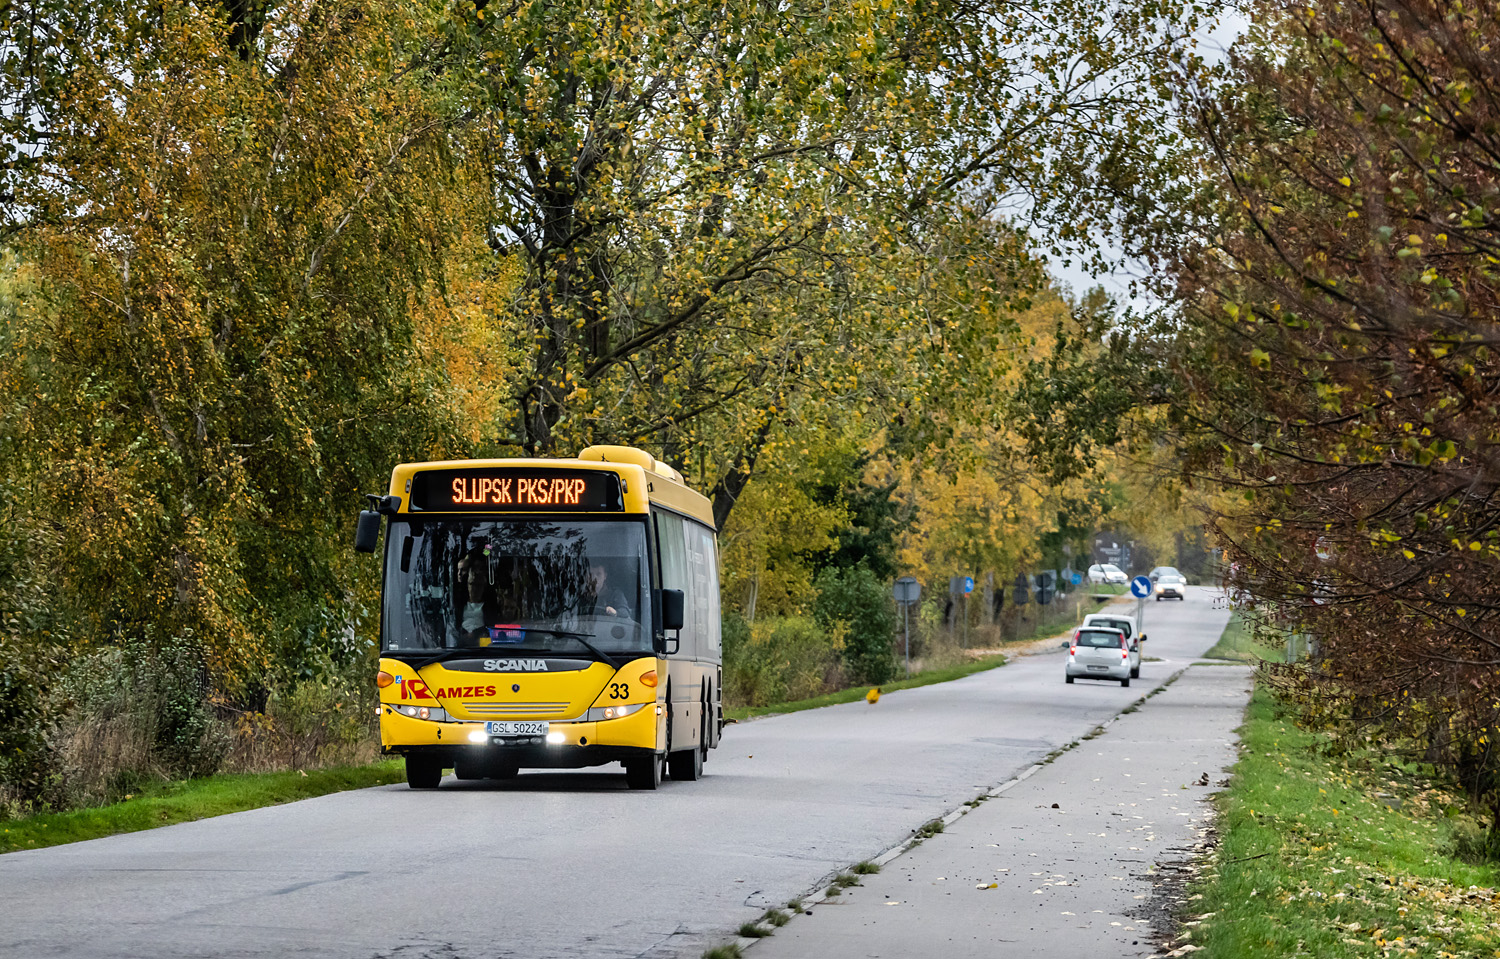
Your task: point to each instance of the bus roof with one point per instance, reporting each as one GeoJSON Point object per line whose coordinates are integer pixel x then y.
{"type": "Point", "coordinates": [647, 479]}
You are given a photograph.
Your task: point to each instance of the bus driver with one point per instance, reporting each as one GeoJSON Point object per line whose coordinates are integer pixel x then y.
{"type": "Point", "coordinates": [607, 600]}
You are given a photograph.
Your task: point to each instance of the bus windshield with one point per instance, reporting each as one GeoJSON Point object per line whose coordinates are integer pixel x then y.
{"type": "Point", "coordinates": [492, 585]}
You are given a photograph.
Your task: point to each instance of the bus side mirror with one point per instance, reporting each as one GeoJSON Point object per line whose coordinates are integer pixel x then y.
{"type": "Point", "coordinates": [367, 534]}
{"type": "Point", "coordinates": [672, 609]}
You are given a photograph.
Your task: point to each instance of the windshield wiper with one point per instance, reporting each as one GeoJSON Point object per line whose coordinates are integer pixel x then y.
{"type": "Point", "coordinates": [582, 638]}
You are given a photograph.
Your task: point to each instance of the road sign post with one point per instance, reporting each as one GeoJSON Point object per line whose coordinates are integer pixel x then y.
{"type": "Point", "coordinates": [907, 591]}
{"type": "Point", "coordinates": [1140, 588]}
{"type": "Point", "coordinates": [968, 588]}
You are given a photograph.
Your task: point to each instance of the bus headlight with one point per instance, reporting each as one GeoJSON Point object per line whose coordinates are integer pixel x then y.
{"type": "Point", "coordinates": [435, 714]}
{"type": "Point", "coordinates": [599, 713]}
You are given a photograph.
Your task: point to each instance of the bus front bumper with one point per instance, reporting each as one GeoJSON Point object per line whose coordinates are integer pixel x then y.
{"type": "Point", "coordinates": [567, 745]}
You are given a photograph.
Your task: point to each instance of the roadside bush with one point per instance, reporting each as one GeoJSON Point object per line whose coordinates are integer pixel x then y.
{"type": "Point", "coordinates": [326, 718]}
{"type": "Point", "coordinates": [780, 660]}
{"type": "Point", "coordinates": [856, 602]}
{"type": "Point", "coordinates": [28, 776]}
{"type": "Point", "coordinates": [133, 713]}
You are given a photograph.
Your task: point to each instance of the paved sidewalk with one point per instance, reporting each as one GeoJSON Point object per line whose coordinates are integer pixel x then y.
{"type": "Point", "coordinates": [1067, 848]}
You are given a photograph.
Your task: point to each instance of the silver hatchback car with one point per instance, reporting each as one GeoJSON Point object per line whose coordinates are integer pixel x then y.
{"type": "Point", "coordinates": [1098, 653]}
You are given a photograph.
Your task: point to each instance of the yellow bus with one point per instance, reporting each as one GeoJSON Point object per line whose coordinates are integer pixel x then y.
{"type": "Point", "coordinates": [547, 613]}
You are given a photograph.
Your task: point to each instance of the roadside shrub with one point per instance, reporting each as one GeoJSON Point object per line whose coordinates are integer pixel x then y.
{"type": "Point", "coordinates": [782, 659]}
{"type": "Point", "coordinates": [856, 601]}
{"type": "Point", "coordinates": [28, 775]}
{"type": "Point", "coordinates": [325, 718]}
{"type": "Point", "coordinates": [132, 713]}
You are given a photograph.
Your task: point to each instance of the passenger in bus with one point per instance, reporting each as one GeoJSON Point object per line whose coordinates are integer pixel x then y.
{"type": "Point", "coordinates": [605, 599]}
{"type": "Point", "coordinates": [479, 604]}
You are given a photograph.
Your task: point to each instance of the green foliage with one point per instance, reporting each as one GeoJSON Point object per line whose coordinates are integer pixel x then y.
{"type": "Point", "coordinates": [1337, 856]}
{"type": "Point", "coordinates": [811, 233]}
{"type": "Point", "coordinates": [874, 519]}
{"type": "Point", "coordinates": [854, 602]}
{"type": "Point", "coordinates": [214, 332]}
{"type": "Point", "coordinates": [782, 659]}
{"type": "Point", "coordinates": [136, 712]}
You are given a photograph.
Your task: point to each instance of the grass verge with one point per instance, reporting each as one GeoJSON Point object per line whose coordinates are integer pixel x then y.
{"type": "Point", "coordinates": [1236, 643]}
{"type": "Point", "coordinates": [854, 693]}
{"type": "Point", "coordinates": [166, 803]}
{"type": "Point", "coordinates": [1336, 857]}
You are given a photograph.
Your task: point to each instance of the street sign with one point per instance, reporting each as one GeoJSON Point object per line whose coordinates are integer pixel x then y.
{"type": "Point", "coordinates": [1075, 577]}
{"type": "Point", "coordinates": [968, 584]}
{"type": "Point", "coordinates": [907, 590]}
{"type": "Point", "coordinates": [1045, 584]}
{"type": "Point", "coordinates": [1140, 587]}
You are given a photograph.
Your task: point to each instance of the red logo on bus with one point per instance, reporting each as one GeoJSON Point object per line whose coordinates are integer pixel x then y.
{"type": "Point", "coordinates": [413, 689]}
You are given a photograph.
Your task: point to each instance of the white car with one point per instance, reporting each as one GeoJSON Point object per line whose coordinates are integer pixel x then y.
{"type": "Point", "coordinates": [1171, 586]}
{"type": "Point", "coordinates": [1098, 653]}
{"type": "Point", "coordinates": [1107, 573]}
{"type": "Point", "coordinates": [1126, 624]}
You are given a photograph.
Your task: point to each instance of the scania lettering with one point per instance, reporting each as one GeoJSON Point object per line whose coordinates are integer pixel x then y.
{"type": "Point", "coordinates": [547, 613]}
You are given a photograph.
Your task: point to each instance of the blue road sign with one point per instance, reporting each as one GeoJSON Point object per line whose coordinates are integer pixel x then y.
{"type": "Point", "coordinates": [968, 584]}
{"type": "Point", "coordinates": [1140, 587]}
{"type": "Point", "coordinates": [1075, 577]}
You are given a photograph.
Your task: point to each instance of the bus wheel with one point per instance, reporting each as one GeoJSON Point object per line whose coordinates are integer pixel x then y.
{"type": "Point", "coordinates": [685, 765]}
{"type": "Point", "coordinates": [423, 772]}
{"type": "Point", "coordinates": [462, 769]}
{"type": "Point", "coordinates": [643, 773]}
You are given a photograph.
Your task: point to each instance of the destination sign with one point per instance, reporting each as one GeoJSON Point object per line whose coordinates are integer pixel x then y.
{"type": "Point", "coordinates": [529, 489]}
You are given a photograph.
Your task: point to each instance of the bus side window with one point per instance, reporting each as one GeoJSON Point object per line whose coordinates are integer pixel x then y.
{"type": "Point", "coordinates": [703, 597]}
{"type": "Point", "coordinates": [675, 573]}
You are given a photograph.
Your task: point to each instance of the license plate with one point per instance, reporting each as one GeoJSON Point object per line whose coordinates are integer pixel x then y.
{"type": "Point", "coordinates": [1099, 668]}
{"type": "Point", "coordinates": [515, 729]}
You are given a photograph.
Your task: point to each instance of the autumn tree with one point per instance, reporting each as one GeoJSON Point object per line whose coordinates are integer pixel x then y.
{"type": "Point", "coordinates": [1332, 248]}
{"type": "Point", "coordinates": [722, 211]}
{"type": "Point", "coordinates": [227, 232]}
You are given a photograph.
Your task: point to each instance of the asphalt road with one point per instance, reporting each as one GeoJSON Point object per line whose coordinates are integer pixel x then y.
{"type": "Point", "coordinates": [572, 864]}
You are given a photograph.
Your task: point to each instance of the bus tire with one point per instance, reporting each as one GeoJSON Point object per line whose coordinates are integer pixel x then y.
{"type": "Point", "coordinates": [467, 769]}
{"type": "Point", "coordinates": [643, 773]}
{"type": "Point", "coordinates": [423, 772]}
{"type": "Point", "coordinates": [685, 765]}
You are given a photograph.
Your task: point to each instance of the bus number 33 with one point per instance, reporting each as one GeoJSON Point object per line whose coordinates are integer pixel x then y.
{"type": "Point", "coordinates": [619, 690]}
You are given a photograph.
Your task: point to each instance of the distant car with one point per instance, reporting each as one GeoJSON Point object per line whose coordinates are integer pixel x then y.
{"type": "Point", "coordinates": [1107, 573]}
{"type": "Point", "coordinates": [1171, 586]}
{"type": "Point", "coordinates": [1098, 653]}
{"type": "Point", "coordinates": [1161, 571]}
{"type": "Point", "coordinates": [1126, 624]}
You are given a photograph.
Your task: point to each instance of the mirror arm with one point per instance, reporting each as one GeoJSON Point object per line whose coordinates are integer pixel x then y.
{"type": "Point", "coordinates": [385, 505]}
